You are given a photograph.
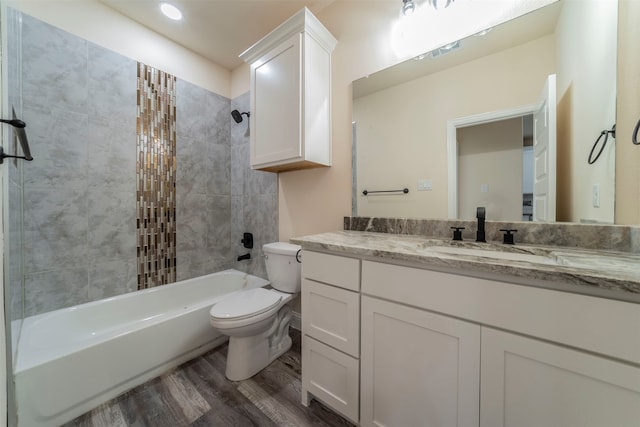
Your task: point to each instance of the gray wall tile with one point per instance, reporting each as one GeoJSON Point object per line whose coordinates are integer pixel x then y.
{"type": "Point", "coordinates": [218, 116]}
{"type": "Point", "coordinates": [112, 86]}
{"type": "Point", "coordinates": [239, 165]}
{"type": "Point", "coordinates": [111, 225]}
{"type": "Point", "coordinates": [54, 67]}
{"type": "Point", "coordinates": [219, 169]}
{"type": "Point", "coordinates": [111, 157]}
{"type": "Point", "coordinates": [192, 219]}
{"type": "Point", "coordinates": [191, 114]}
{"type": "Point", "coordinates": [51, 290]}
{"type": "Point", "coordinates": [112, 278]}
{"type": "Point", "coordinates": [58, 144]}
{"type": "Point", "coordinates": [55, 228]}
{"type": "Point", "coordinates": [192, 166]}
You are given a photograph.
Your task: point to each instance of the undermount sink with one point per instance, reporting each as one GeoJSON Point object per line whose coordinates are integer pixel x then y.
{"type": "Point", "coordinates": [492, 254]}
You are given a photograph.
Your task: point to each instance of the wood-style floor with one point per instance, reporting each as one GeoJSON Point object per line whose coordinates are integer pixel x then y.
{"type": "Point", "coordinates": [198, 394]}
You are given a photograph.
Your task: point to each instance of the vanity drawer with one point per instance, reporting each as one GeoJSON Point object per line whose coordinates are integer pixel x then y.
{"type": "Point", "coordinates": [331, 315]}
{"type": "Point", "coordinates": [331, 269]}
{"type": "Point", "coordinates": [331, 376]}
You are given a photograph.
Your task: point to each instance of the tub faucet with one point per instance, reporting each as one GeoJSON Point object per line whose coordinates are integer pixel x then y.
{"type": "Point", "coordinates": [480, 214]}
{"type": "Point", "coordinates": [243, 257]}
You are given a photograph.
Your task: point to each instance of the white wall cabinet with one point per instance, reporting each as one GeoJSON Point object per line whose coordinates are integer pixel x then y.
{"type": "Point", "coordinates": [418, 368]}
{"type": "Point", "coordinates": [290, 123]}
{"type": "Point", "coordinates": [331, 332]}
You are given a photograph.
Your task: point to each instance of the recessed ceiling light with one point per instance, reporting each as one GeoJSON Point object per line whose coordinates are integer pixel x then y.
{"type": "Point", "coordinates": [170, 11]}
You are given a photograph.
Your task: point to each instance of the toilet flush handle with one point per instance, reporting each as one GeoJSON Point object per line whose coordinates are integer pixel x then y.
{"type": "Point", "coordinates": [299, 256]}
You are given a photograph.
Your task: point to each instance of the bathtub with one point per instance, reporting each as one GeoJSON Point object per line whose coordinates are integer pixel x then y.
{"type": "Point", "coordinates": [74, 359]}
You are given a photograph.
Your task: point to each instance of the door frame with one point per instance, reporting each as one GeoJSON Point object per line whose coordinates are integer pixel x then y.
{"type": "Point", "coordinates": [452, 144]}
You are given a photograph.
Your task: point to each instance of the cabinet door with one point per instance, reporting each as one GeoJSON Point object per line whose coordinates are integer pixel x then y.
{"type": "Point", "coordinates": [526, 382]}
{"type": "Point", "coordinates": [276, 101]}
{"type": "Point", "coordinates": [417, 368]}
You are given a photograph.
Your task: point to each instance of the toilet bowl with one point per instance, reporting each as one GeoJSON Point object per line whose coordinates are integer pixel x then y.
{"type": "Point", "coordinates": [257, 320]}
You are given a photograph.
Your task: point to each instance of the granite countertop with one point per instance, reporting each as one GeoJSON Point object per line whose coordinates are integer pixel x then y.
{"type": "Point", "coordinates": [602, 273]}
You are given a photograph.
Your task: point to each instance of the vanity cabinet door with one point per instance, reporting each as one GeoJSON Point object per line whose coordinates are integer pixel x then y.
{"type": "Point", "coordinates": [417, 368]}
{"type": "Point", "coordinates": [526, 382]}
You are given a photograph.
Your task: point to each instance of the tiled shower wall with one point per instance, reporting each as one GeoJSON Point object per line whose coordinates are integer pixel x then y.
{"type": "Point", "coordinates": [254, 196]}
{"type": "Point", "coordinates": [79, 193]}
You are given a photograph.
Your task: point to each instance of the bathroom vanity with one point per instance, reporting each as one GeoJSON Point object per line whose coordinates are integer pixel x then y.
{"type": "Point", "coordinates": [407, 330]}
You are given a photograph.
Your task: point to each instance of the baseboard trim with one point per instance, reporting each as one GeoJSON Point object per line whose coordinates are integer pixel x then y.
{"type": "Point", "coordinates": [296, 321]}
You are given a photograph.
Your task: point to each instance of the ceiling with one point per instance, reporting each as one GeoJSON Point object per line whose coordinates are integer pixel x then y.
{"type": "Point", "coordinates": [218, 30]}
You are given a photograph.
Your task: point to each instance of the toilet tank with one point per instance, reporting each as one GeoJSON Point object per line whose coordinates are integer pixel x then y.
{"type": "Point", "coordinates": [283, 269]}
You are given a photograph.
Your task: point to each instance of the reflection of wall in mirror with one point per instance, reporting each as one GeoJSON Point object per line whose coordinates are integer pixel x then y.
{"type": "Point", "coordinates": [628, 114]}
{"type": "Point", "coordinates": [490, 170]}
{"type": "Point", "coordinates": [402, 129]}
{"type": "Point", "coordinates": [586, 41]}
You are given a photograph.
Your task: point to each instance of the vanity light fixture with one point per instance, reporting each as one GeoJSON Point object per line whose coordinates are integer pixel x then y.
{"type": "Point", "coordinates": [448, 48]}
{"type": "Point", "coordinates": [483, 32]}
{"type": "Point", "coordinates": [440, 4]}
{"type": "Point", "coordinates": [170, 11]}
{"type": "Point", "coordinates": [408, 7]}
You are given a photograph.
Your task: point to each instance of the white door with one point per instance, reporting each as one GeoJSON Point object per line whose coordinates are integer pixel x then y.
{"type": "Point", "coordinates": [531, 383]}
{"type": "Point", "coordinates": [417, 368]}
{"type": "Point", "coordinates": [544, 151]}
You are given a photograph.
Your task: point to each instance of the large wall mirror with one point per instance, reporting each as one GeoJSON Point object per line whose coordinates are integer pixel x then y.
{"type": "Point", "coordinates": [456, 127]}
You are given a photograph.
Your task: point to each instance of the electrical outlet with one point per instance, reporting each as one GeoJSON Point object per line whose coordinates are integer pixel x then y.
{"type": "Point", "coordinates": [425, 185]}
{"type": "Point", "coordinates": [595, 195]}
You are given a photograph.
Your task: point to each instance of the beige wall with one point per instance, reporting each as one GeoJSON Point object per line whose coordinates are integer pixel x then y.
{"type": "Point", "coordinates": [96, 22]}
{"type": "Point", "coordinates": [240, 78]}
{"type": "Point", "coordinates": [402, 131]}
{"type": "Point", "coordinates": [627, 154]}
{"type": "Point", "coordinates": [491, 154]}
{"type": "Point", "coordinates": [586, 88]}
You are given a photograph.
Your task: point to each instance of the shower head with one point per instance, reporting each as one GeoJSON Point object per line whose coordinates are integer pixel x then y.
{"type": "Point", "coordinates": [237, 115]}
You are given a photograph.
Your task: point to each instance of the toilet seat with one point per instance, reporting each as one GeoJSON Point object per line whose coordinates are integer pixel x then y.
{"type": "Point", "coordinates": [245, 304]}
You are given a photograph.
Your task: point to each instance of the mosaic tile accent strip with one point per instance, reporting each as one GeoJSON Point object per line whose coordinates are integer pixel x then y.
{"type": "Point", "coordinates": [156, 177]}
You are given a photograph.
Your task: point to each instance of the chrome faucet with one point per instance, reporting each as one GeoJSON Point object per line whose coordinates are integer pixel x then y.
{"type": "Point", "coordinates": [481, 215]}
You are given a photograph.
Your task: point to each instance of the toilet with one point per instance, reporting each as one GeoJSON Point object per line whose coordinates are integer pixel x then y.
{"type": "Point", "coordinates": [257, 320]}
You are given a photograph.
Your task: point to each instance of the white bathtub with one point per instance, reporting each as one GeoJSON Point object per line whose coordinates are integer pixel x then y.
{"type": "Point", "coordinates": [72, 360]}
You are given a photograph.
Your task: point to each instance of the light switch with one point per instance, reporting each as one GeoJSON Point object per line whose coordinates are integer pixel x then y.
{"type": "Point", "coordinates": [484, 188]}
{"type": "Point", "coordinates": [425, 185]}
{"type": "Point", "coordinates": [596, 195]}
